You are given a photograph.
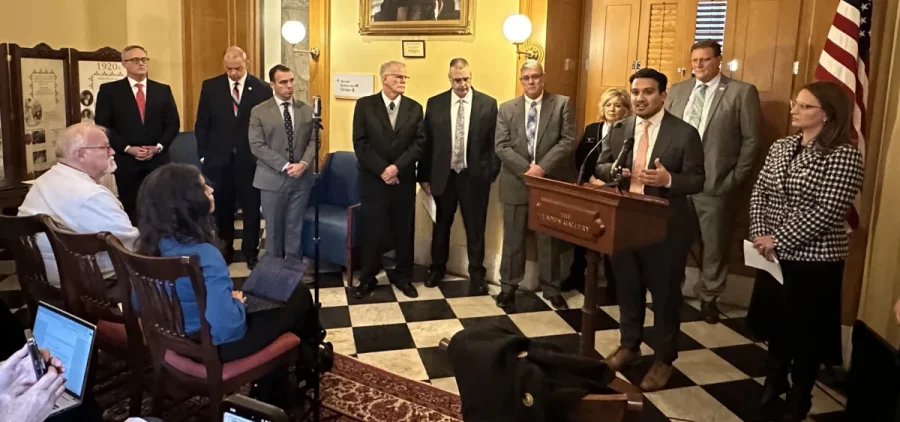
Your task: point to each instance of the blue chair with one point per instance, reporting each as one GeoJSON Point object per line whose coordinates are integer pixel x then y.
{"type": "Point", "coordinates": [337, 193]}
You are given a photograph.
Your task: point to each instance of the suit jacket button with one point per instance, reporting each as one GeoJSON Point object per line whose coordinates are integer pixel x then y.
{"type": "Point", "coordinates": [528, 400]}
{"type": "Point", "coordinates": [522, 354]}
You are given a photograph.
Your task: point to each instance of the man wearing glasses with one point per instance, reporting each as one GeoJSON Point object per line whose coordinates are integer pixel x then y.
{"type": "Point", "coordinates": [142, 120]}
{"type": "Point", "coordinates": [71, 194]}
{"type": "Point", "coordinates": [388, 137]}
{"type": "Point", "coordinates": [535, 137]}
{"type": "Point", "coordinates": [726, 114]}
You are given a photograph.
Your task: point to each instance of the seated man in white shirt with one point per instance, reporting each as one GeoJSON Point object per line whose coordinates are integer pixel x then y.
{"type": "Point", "coordinates": [71, 194]}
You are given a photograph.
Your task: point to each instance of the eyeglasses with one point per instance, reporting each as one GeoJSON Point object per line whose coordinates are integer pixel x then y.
{"type": "Point", "coordinates": [802, 106]}
{"type": "Point", "coordinates": [137, 60]}
{"type": "Point", "coordinates": [531, 77]}
{"type": "Point", "coordinates": [400, 77]}
{"type": "Point", "coordinates": [703, 60]}
{"type": "Point", "coordinates": [106, 147]}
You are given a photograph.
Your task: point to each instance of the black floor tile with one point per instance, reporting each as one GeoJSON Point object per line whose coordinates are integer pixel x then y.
{"type": "Point", "coordinates": [426, 310]}
{"type": "Point", "coordinates": [454, 288]}
{"type": "Point", "coordinates": [749, 358]}
{"type": "Point", "coordinates": [682, 344]}
{"type": "Point", "coordinates": [829, 417]}
{"type": "Point", "coordinates": [381, 294]}
{"type": "Point", "coordinates": [335, 317]}
{"type": "Point", "coordinates": [420, 274]}
{"type": "Point", "coordinates": [13, 298]}
{"type": "Point", "coordinates": [569, 343]}
{"type": "Point", "coordinates": [635, 374]}
{"type": "Point", "coordinates": [527, 302]}
{"type": "Point", "coordinates": [739, 325]}
{"type": "Point", "coordinates": [436, 362]}
{"type": "Point", "coordinates": [329, 280]}
{"type": "Point", "coordinates": [502, 321]}
{"type": "Point", "coordinates": [690, 313]}
{"type": "Point", "coordinates": [382, 338]}
{"type": "Point", "coordinates": [740, 397]}
{"type": "Point", "coordinates": [602, 321]}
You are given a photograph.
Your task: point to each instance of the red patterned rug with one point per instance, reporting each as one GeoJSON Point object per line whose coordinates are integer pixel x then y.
{"type": "Point", "coordinates": [352, 392]}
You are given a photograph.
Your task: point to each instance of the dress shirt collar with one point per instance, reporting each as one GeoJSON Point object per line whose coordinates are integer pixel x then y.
{"type": "Point", "coordinates": [279, 101]}
{"type": "Point", "coordinates": [537, 100]}
{"type": "Point", "coordinates": [387, 101]}
{"type": "Point", "coordinates": [72, 172]}
{"type": "Point", "coordinates": [467, 99]}
{"type": "Point", "coordinates": [655, 120]}
{"type": "Point", "coordinates": [133, 82]}
{"type": "Point", "coordinates": [240, 82]}
{"type": "Point", "coordinates": [712, 84]}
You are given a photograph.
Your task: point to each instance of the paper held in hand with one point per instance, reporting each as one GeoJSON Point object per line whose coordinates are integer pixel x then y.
{"type": "Point", "coordinates": [753, 259]}
{"type": "Point", "coordinates": [430, 206]}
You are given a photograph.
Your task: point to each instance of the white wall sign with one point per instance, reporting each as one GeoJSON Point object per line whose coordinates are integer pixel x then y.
{"type": "Point", "coordinates": [353, 86]}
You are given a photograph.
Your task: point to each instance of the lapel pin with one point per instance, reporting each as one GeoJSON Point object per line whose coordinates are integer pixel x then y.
{"type": "Point", "coordinates": [721, 88]}
{"type": "Point", "coordinates": [249, 88]}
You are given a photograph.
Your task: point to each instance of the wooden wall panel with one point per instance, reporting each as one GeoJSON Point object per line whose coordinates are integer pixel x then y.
{"type": "Point", "coordinates": [564, 44]}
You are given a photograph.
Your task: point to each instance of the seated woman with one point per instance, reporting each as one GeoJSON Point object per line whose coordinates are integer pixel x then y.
{"type": "Point", "coordinates": [175, 219]}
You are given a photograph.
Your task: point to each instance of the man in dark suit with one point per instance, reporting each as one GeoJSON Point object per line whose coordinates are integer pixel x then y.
{"type": "Point", "coordinates": [388, 137]}
{"type": "Point", "coordinates": [223, 119]}
{"type": "Point", "coordinates": [442, 10]}
{"type": "Point", "coordinates": [727, 115]}
{"type": "Point", "coordinates": [667, 161]}
{"type": "Point", "coordinates": [280, 137]}
{"type": "Point", "coordinates": [458, 166]}
{"type": "Point", "coordinates": [535, 136]}
{"type": "Point", "coordinates": [142, 120]}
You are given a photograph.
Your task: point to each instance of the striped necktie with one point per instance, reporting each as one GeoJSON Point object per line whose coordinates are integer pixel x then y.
{"type": "Point", "coordinates": [697, 106]}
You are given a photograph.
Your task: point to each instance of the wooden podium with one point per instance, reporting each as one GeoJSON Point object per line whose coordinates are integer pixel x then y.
{"type": "Point", "coordinates": [602, 220]}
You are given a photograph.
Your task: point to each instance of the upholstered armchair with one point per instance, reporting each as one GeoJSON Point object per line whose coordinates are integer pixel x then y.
{"type": "Point", "coordinates": [337, 193]}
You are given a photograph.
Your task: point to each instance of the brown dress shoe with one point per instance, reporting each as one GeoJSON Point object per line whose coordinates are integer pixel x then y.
{"type": "Point", "coordinates": [622, 358]}
{"type": "Point", "coordinates": [657, 377]}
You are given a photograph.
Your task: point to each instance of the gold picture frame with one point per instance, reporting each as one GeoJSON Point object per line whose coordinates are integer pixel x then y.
{"type": "Point", "coordinates": [415, 17]}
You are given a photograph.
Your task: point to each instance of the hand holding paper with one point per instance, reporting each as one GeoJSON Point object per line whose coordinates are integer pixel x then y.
{"type": "Point", "coordinates": [753, 259]}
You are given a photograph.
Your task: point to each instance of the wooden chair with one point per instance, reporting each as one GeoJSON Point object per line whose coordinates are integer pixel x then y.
{"type": "Point", "coordinates": [190, 360]}
{"type": "Point", "coordinates": [601, 407]}
{"type": "Point", "coordinates": [87, 294]}
{"type": "Point", "coordinates": [21, 235]}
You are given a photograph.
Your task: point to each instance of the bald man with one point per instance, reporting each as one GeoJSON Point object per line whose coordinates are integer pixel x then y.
{"type": "Point", "coordinates": [71, 194]}
{"type": "Point", "coordinates": [223, 121]}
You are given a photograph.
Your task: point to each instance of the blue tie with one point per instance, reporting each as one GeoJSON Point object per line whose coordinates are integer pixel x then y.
{"type": "Point", "coordinates": [531, 129]}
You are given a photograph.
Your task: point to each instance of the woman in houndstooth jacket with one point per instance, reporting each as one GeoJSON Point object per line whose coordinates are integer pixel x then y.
{"type": "Point", "coordinates": [797, 212]}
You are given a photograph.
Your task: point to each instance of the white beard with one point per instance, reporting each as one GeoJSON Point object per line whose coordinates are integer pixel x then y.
{"type": "Point", "coordinates": [111, 168]}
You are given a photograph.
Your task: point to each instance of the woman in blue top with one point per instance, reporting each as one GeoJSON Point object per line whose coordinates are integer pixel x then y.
{"type": "Point", "coordinates": [175, 219]}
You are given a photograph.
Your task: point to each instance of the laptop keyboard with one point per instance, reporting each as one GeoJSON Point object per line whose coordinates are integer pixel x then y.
{"type": "Point", "coordinates": [256, 304]}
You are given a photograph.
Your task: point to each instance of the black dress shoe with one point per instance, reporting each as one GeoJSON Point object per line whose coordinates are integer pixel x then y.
{"type": "Point", "coordinates": [477, 288]}
{"type": "Point", "coordinates": [710, 312]}
{"type": "Point", "coordinates": [364, 289]}
{"type": "Point", "coordinates": [434, 278]}
{"type": "Point", "coordinates": [558, 303]}
{"type": "Point", "coordinates": [252, 261]}
{"type": "Point", "coordinates": [408, 289]}
{"type": "Point", "coordinates": [506, 299]}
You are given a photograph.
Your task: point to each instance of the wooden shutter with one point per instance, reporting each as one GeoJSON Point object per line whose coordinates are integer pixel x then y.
{"type": "Point", "coordinates": [659, 41]}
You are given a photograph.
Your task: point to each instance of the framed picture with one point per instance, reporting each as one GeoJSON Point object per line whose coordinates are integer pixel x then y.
{"type": "Point", "coordinates": [409, 17]}
{"type": "Point", "coordinates": [414, 49]}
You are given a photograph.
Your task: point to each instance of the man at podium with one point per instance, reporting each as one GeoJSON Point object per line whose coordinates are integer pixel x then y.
{"type": "Point", "coordinates": [666, 161]}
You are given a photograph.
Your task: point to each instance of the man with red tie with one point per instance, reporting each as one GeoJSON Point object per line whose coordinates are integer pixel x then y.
{"type": "Point", "coordinates": [142, 120]}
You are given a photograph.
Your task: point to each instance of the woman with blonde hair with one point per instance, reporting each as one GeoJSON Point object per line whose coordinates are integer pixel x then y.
{"type": "Point", "coordinates": [614, 106]}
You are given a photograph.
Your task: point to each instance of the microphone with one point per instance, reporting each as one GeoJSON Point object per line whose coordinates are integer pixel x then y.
{"type": "Point", "coordinates": [317, 106]}
{"type": "Point", "coordinates": [616, 171]}
{"type": "Point", "coordinates": [581, 170]}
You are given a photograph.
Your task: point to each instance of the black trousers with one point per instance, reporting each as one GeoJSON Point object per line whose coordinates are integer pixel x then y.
{"type": "Point", "coordinates": [472, 195]}
{"type": "Point", "coordinates": [660, 269]}
{"type": "Point", "coordinates": [233, 182]}
{"type": "Point", "coordinates": [296, 316]}
{"type": "Point", "coordinates": [128, 183]}
{"type": "Point", "coordinates": [579, 266]}
{"type": "Point", "coordinates": [389, 218]}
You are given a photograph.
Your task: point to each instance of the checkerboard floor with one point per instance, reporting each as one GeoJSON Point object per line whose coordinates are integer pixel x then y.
{"type": "Point", "coordinates": [718, 375]}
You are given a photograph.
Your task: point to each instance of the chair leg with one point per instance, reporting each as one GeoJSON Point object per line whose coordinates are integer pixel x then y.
{"type": "Point", "coordinates": [137, 388]}
{"type": "Point", "coordinates": [350, 266]}
{"type": "Point", "coordinates": [215, 399]}
{"type": "Point", "coordinates": [158, 385]}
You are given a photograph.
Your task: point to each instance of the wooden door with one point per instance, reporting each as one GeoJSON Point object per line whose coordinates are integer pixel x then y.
{"type": "Point", "coordinates": [763, 41]}
{"type": "Point", "coordinates": [664, 37]}
{"type": "Point", "coordinates": [612, 37]}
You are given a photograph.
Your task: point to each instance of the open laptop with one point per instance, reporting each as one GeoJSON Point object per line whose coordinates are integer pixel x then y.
{"type": "Point", "coordinates": [71, 339]}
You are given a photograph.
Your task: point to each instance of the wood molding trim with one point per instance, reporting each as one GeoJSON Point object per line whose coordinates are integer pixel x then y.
{"type": "Point", "coordinates": [320, 71]}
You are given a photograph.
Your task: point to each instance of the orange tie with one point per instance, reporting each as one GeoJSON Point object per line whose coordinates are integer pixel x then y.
{"type": "Point", "coordinates": [141, 100]}
{"type": "Point", "coordinates": [640, 159]}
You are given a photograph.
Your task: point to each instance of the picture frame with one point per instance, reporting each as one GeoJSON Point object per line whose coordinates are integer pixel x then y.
{"type": "Point", "coordinates": [413, 49]}
{"type": "Point", "coordinates": [415, 17]}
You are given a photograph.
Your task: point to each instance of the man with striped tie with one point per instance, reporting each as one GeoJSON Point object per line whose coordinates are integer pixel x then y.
{"type": "Point", "coordinates": [726, 113]}
{"type": "Point", "coordinates": [535, 136]}
{"type": "Point", "coordinates": [223, 121]}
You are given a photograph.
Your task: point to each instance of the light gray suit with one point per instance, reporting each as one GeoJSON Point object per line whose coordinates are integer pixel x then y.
{"type": "Point", "coordinates": [554, 149]}
{"type": "Point", "coordinates": [731, 142]}
{"type": "Point", "coordinates": [283, 198]}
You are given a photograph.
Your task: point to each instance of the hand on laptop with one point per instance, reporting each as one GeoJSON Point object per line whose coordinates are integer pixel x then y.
{"type": "Point", "coordinates": [28, 402]}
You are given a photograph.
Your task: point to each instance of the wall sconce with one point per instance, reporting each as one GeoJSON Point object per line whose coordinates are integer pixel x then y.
{"type": "Point", "coordinates": [294, 32]}
{"type": "Point", "coordinates": [517, 29]}
{"type": "Point", "coordinates": [733, 65]}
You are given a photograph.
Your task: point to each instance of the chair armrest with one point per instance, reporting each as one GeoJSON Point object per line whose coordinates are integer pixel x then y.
{"type": "Point", "coordinates": [352, 223]}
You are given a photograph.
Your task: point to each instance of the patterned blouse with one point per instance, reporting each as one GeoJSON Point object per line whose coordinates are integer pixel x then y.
{"type": "Point", "coordinates": [802, 197]}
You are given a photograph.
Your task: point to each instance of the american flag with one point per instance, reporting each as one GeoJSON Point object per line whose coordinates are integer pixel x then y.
{"type": "Point", "coordinates": [845, 60]}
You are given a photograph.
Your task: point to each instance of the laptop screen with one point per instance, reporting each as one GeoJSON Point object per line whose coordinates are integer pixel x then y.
{"type": "Point", "coordinates": [68, 338]}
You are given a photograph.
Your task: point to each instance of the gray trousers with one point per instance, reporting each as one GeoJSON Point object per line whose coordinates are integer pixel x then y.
{"type": "Point", "coordinates": [283, 211]}
{"type": "Point", "coordinates": [716, 222]}
{"type": "Point", "coordinates": [512, 262]}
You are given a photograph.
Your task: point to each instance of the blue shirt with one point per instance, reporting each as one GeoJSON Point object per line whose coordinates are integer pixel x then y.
{"type": "Point", "coordinates": [226, 315]}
